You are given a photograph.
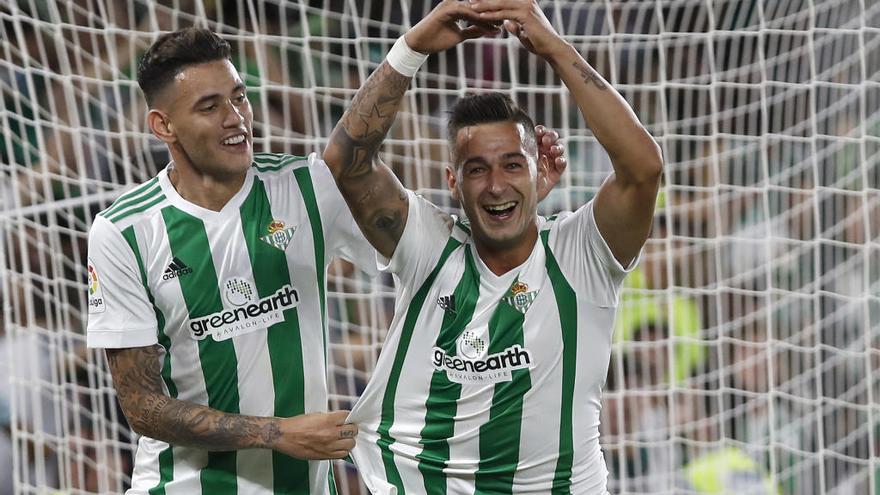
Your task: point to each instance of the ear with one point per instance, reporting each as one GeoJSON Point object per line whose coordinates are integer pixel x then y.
{"type": "Point", "coordinates": [161, 126]}
{"type": "Point", "coordinates": [452, 181]}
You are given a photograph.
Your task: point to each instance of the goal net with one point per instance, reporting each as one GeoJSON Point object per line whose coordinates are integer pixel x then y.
{"type": "Point", "coordinates": [747, 348]}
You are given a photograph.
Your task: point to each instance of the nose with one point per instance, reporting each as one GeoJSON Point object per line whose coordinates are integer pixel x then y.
{"type": "Point", "coordinates": [497, 181]}
{"type": "Point", "coordinates": [233, 117]}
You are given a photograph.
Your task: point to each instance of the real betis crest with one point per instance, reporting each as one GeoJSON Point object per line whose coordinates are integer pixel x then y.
{"type": "Point", "coordinates": [520, 298]}
{"type": "Point", "coordinates": [278, 236]}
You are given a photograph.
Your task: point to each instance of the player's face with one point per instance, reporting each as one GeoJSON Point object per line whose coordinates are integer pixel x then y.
{"type": "Point", "coordinates": [211, 119]}
{"type": "Point", "coordinates": [495, 180]}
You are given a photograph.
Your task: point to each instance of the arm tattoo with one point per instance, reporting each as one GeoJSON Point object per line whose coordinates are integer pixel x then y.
{"type": "Point", "coordinates": [370, 117]}
{"type": "Point", "coordinates": [136, 375]}
{"type": "Point", "coordinates": [589, 74]}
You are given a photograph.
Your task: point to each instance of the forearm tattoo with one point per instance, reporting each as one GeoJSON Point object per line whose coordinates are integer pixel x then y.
{"type": "Point", "coordinates": [370, 117]}
{"type": "Point", "coordinates": [590, 75]}
{"type": "Point", "coordinates": [136, 375]}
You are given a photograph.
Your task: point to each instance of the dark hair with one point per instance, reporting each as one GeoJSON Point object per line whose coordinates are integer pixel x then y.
{"type": "Point", "coordinates": [173, 52]}
{"type": "Point", "coordinates": [486, 109]}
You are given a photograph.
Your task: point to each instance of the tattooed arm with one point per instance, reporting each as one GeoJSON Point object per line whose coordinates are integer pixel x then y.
{"type": "Point", "coordinates": [150, 412]}
{"type": "Point", "coordinates": [375, 197]}
{"type": "Point", "coordinates": [624, 206]}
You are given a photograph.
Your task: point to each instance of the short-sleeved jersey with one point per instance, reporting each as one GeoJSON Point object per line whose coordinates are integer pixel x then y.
{"type": "Point", "coordinates": [486, 383]}
{"type": "Point", "coordinates": [236, 301]}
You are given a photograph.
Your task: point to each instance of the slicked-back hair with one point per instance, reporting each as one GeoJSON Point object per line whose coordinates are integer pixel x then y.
{"type": "Point", "coordinates": [175, 51]}
{"type": "Point", "coordinates": [487, 108]}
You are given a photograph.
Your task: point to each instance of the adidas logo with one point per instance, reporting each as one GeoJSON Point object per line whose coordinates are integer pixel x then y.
{"type": "Point", "coordinates": [176, 269]}
{"type": "Point", "coordinates": [447, 303]}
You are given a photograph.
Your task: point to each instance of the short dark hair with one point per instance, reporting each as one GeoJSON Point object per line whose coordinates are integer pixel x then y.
{"type": "Point", "coordinates": [175, 51]}
{"type": "Point", "coordinates": [487, 108]}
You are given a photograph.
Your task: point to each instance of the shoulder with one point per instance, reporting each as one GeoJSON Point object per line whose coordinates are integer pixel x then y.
{"type": "Point", "coordinates": [308, 174]}
{"type": "Point", "coordinates": [135, 203]}
{"type": "Point", "coordinates": [270, 164]}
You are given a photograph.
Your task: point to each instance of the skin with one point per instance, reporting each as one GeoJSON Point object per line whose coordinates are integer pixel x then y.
{"type": "Point", "coordinates": [495, 167]}
{"type": "Point", "coordinates": [624, 205]}
{"type": "Point", "coordinates": [204, 105]}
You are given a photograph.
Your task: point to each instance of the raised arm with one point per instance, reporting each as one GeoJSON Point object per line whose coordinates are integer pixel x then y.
{"type": "Point", "coordinates": [150, 412]}
{"type": "Point", "coordinates": [375, 197]}
{"type": "Point", "coordinates": [624, 205]}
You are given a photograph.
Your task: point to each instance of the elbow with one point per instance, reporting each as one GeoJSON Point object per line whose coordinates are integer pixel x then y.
{"type": "Point", "coordinates": [644, 167]}
{"type": "Point", "coordinates": [654, 162]}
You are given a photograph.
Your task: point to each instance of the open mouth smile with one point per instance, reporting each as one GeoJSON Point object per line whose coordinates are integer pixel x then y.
{"type": "Point", "coordinates": [501, 211]}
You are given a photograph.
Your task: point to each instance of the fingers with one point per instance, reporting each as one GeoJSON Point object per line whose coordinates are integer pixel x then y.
{"type": "Point", "coordinates": [347, 431]}
{"type": "Point", "coordinates": [338, 417]}
{"type": "Point", "coordinates": [318, 436]}
{"type": "Point", "coordinates": [479, 31]}
{"type": "Point", "coordinates": [550, 138]}
{"type": "Point", "coordinates": [492, 5]}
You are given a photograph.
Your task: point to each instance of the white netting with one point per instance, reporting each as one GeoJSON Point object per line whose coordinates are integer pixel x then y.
{"type": "Point", "coordinates": [748, 343]}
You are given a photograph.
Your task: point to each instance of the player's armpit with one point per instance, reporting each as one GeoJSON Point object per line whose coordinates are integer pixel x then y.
{"type": "Point", "coordinates": [377, 200]}
{"type": "Point", "coordinates": [136, 376]}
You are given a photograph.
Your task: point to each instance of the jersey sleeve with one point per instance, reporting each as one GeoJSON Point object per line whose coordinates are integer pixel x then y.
{"type": "Point", "coordinates": [120, 313]}
{"type": "Point", "coordinates": [343, 233]}
{"type": "Point", "coordinates": [426, 233]}
{"type": "Point", "coordinates": [583, 252]}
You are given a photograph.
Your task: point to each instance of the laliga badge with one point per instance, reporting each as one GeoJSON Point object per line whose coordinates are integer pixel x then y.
{"type": "Point", "coordinates": [96, 293]}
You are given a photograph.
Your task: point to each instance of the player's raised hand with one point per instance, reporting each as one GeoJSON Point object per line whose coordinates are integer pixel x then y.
{"type": "Point", "coordinates": [523, 19]}
{"type": "Point", "coordinates": [550, 148]}
{"type": "Point", "coordinates": [440, 30]}
{"type": "Point", "coordinates": [316, 436]}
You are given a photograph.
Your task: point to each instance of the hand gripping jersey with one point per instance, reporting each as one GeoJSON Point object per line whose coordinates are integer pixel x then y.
{"type": "Point", "coordinates": [491, 384]}
{"type": "Point", "coordinates": [235, 299]}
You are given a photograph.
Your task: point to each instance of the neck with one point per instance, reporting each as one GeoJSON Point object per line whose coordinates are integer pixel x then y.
{"type": "Point", "coordinates": [209, 192]}
{"type": "Point", "coordinates": [501, 258]}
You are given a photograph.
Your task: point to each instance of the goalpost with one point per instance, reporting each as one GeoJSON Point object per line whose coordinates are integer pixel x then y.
{"type": "Point", "coordinates": [747, 346]}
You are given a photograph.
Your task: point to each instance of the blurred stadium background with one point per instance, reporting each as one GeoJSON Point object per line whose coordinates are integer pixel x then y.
{"type": "Point", "coordinates": [747, 348]}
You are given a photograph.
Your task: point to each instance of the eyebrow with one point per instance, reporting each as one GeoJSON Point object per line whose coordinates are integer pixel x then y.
{"type": "Point", "coordinates": [483, 161]}
{"type": "Point", "coordinates": [238, 87]}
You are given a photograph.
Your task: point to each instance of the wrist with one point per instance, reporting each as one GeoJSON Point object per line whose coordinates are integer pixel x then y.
{"type": "Point", "coordinates": [560, 51]}
{"type": "Point", "coordinates": [404, 59]}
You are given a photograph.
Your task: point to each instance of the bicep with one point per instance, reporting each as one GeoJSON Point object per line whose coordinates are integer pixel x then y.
{"type": "Point", "coordinates": [376, 198]}
{"type": "Point", "coordinates": [624, 213]}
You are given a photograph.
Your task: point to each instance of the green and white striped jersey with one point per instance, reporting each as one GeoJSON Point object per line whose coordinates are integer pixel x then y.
{"type": "Point", "coordinates": [236, 300]}
{"type": "Point", "coordinates": [491, 384]}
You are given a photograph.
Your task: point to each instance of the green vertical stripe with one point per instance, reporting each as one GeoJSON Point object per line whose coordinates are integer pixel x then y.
{"type": "Point", "coordinates": [304, 180]}
{"type": "Point", "coordinates": [392, 475]}
{"type": "Point", "coordinates": [331, 479]}
{"type": "Point", "coordinates": [566, 301]}
{"type": "Point", "coordinates": [189, 242]}
{"type": "Point", "coordinates": [269, 267]}
{"type": "Point", "coordinates": [166, 457]}
{"type": "Point", "coordinates": [442, 402]}
{"type": "Point", "coordinates": [499, 437]}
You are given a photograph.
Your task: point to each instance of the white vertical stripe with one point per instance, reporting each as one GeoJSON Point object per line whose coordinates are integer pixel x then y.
{"type": "Point", "coordinates": [146, 466]}
{"type": "Point", "coordinates": [256, 392]}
